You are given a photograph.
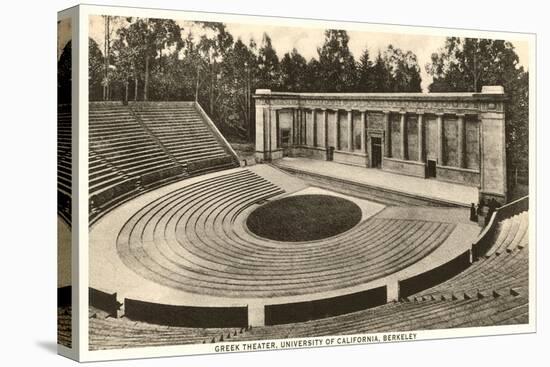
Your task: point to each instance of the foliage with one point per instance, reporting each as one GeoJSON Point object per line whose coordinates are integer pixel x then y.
{"type": "Point", "coordinates": [95, 70]}
{"type": "Point", "coordinates": [467, 64]}
{"type": "Point", "coordinates": [64, 78]}
{"type": "Point", "coordinates": [294, 70]}
{"type": "Point", "coordinates": [336, 63]}
{"type": "Point", "coordinates": [154, 59]}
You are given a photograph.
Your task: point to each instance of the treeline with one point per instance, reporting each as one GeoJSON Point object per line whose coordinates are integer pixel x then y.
{"type": "Point", "coordinates": [466, 65]}
{"type": "Point", "coordinates": [156, 59]}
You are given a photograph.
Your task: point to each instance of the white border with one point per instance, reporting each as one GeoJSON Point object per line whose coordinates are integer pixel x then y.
{"type": "Point", "coordinates": [86, 10]}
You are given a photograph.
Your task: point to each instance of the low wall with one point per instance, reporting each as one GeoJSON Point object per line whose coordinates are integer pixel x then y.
{"type": "Point", "coordinates": [487, 236]}
{"type": "Point", "coordinates": [356, 159]}
{"type": "Point", "coordinates": [435, 276]}
{"type": "Point", "coordinates": [155, 177]}
{"type": "Point", "coordinates": [103, 197]}
{"type": "Point", "coordinates": [308, 152]}
{"type": "Point", "coordinates": [374, 193]}
{"type": "Point", "coordinates": [318, 309]}
{"type": "Point", "coordinates": [458, 175]}
{"type": "Point", "coordinates": [104, 301]}
{"type": "Point", "coordinates": [204, 165]}
{"type": "Point", "coordinates": [64, 296]}
{"type": "Point", "coordinates": [513, 208]}
{"type": "Point", "coordinates": [187, 316]}
{"type": "Point", "coordinates": [409, 168]}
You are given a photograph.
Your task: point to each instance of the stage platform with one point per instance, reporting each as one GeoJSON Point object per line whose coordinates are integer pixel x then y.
{"type": "Point", "coordinates": [429, 190]}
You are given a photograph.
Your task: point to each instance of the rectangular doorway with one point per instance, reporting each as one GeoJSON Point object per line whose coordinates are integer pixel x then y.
{"type": "Point", "coordinates": [285, 141]}
{"type": "Point", "coordinates": [430, 168]}
{"type": "Point", "coordinates": [376, 152]}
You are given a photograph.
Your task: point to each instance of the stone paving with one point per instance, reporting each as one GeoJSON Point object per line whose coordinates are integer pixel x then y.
{"type": "Point", "coordinates": [429, 188]}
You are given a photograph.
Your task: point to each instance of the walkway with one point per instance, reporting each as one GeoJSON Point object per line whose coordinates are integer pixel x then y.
{"type": "Point", "coordinates": [428, 188]}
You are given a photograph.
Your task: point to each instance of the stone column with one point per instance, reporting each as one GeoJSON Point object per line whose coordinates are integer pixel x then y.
{"type": "Point", "coordinates": [293, 131]}
{"type": "Point", "coordinates": [460, 151]}
{"type": "Point", "coordinates": [260, 128]}
{"type": "Point", "coordinates": [267, 134]}
{"type": "Point", "coordinates": [291, 137]}
{"type": "Point", "coordinates": [304, 126]}
{"type": "Point", "coordinates": [403, 130]}
{"type": "Point", "coordinates": [363, 131]}
{"type": "Point", "coordinates": [387, 138]}
{"type": "Point", "coordinates": [337, 131]}
{"type": "Point", "coordinates": [421, 145]}
{"type": "Point", "coordinates": [274, 133]}
{"type": "Point", "coordinates": [314, 123]}
{"type": "Point", "coordinates": [350, 130]}
{"type": "Point", "coordinates": [299, 127]}
{"type": "Point", "coordinates": [440, 137]}
{"type": "Point", "coordinates": [325, 127]}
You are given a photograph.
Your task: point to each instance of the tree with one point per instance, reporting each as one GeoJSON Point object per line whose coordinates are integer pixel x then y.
{"type": "Point", "coordinates": [235, 84]}
{"type": "Point", "coordinates": [313, 80]}
{"type": "Point", "coordinates": [336, 63]}
{"type": "Point", "coordinates": [125, 58]}
{"type": "Point", "coordinates": [404, 70]}
{"type": "Point", "coordinates": [212, 51]}
{"type": "Point", "coordinates": [366, 81]}
{"type": "Point", "coordinates": [95, 71]}
{"type": "Point", "coordinates": [467, 64]}
{"type": "Point", "coordinates": [64, 77]}
{"type": "Point", "coordinates": [293, 72]}
{"type": "Point", "coordinates": [154, 36]}
{"type": "Point", "coordinates": [381, 76]}
{"type": "Point", "coordinates": [269, 72]}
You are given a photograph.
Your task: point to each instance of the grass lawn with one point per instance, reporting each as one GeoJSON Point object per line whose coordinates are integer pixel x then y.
{"type": "Point", "coordinates": [304, 218]}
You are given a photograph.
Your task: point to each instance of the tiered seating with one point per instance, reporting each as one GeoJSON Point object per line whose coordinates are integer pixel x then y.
{"type": "Point", "coordinates": [402, 316]}
{"type": "Point", "coordinates": [181, 130]}
{"type": "Point", "coordinates": [107, 184]}
{"type": "Point", "coordinates": [64, 326]}
{"type": "Point", "coordinates": [504, 268]}
{"type": "Point", "coordinates": [112, 333]}
{"type": "Point", "coordinates": [145, 145]}
{"type": "Point", "coordinates": [194, 239]}
{"type": "Point", "coordinates": [64, 162]}
{"type": "Point", "coordinates": [121, 140]}
{"type": "Point", "coordinates": [493, 291]}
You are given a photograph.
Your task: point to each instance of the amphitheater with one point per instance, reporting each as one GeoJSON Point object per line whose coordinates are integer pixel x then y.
{"type": "Point", "coordinates": [190, 244]}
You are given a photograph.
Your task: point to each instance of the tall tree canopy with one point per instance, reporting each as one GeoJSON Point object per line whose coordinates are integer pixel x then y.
{"type": "Point", "coordinates": [336, 62]}
{"type": "Point", "coordinates": [467, 64]}
{"type": "Point", "coordinates": [64, 78]}
{"type": "Point", "coordinates": [269, 72]}
{"type": "Point", "coordinates": [365, 73]}
{"type": "Point", "coordinates": [403, 69]}
{"type": "Point", "coordinates": [294, 72]}
{"type": "Point", "coordinates": [154, 59]}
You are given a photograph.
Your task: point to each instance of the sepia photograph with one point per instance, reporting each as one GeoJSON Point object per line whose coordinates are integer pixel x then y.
{"type": "Point", "coordinates": [64, 182]}
{"type": "Point", "coordinates": [273, 184]}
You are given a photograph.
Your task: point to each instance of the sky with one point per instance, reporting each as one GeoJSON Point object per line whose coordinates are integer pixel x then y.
{"type": "Point", "coordinates": [307, 40]}
{"type": "Point", "coordinates": [63, 35]}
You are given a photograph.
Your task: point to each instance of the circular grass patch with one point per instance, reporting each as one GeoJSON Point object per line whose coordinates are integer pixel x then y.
{"type": "Point", "coordinates": [304, 218]}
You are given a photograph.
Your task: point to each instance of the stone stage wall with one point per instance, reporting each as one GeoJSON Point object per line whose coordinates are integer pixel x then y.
{"type": "Point", "coordinates": [454, 137]}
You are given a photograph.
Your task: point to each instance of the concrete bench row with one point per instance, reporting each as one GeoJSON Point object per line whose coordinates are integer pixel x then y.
{"type": "Point", "coordinates": [129, 155]}
{"type": "Point", "coordinates": [504, 267]}
{"type": "Point", "coordinates": [113, 333]}
{"type": "Point", "coordinates": [193, 239]}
